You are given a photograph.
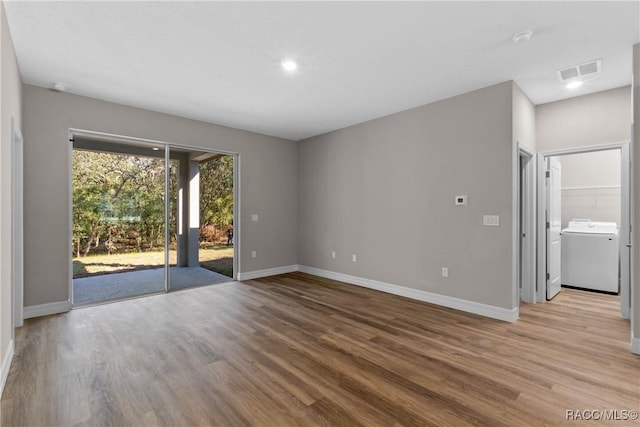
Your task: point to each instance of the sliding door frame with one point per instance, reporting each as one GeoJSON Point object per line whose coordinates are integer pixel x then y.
{"type": "Point", "coordinates": [167, 216]}
{"type": "Point", "coordinates": [167, 145]}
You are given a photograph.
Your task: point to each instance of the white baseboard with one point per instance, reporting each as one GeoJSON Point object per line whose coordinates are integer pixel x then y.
{"type": "Point", "coordinates": [250, 275]}
{"type": "Point", "coordinates": [456, 303]}
{"type": "Point", "coordinates": [635, 345]}
{"type": "Point", "coordinates": [46, 309]}
{"type": "Point", "coordinates": [6, 365]}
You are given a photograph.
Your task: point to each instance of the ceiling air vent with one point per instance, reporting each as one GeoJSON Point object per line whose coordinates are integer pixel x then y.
{"type": "Point", "coordinates": [580, 70]}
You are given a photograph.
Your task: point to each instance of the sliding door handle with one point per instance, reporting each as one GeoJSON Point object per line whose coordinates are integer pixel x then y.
{"type": "Point", "coordinates": [629, 245]}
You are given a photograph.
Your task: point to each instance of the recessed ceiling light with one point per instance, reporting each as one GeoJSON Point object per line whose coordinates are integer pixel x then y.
{"type": "Point", "coordinates": [289, 65]}
{"type": "Point", "coordinates": [522, 37]}
{"type": "Point", "coordinates": [574, 85]}
{"type": "Point", "coordinates": [58, 87]}
{"type": "Point", "coordinates": [155, 149]}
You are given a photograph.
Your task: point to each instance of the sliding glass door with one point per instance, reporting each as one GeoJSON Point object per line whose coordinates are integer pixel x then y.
{"type": "Point", "coordinates": [148, 219]}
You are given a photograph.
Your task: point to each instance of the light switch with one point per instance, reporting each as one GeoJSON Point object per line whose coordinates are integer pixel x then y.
{"type": "Point", "coordinates": [491, 220]}
{"type": "Point", "coordinates": [254, 218]}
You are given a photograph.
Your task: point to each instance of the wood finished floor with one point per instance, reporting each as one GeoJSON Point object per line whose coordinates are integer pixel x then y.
{"type": "Point", "coordinates": [300, 350]}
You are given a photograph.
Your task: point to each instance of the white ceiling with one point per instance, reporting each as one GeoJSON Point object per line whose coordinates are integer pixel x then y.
{"type": "Point", "coordinates": [220, 62]}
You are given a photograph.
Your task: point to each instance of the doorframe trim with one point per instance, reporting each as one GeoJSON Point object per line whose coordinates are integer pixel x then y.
{"type": "Point", "coordinates": [581, 150]}
{"type": "Point", "coordinates": [541, 231]}
{"type": "Point", "coordinates": [17, 232]}
{"type": "Point", "coordinates": [167, 217]}
{"type": "Point", "coordinates": [542, 208]}
{"type": "Point", "coordinates": [527, 224]}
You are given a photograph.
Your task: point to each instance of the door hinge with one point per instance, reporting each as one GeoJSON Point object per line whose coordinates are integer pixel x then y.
{"type": "Point", "coordinates": [548, 225]}
{"type": "Point", "coordinates": [548, 277]}
{"type": "Point", "coordinates": [547, 174]}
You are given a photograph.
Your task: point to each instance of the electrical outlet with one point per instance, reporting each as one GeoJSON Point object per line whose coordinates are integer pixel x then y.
{"type": "Point", "coordinates": [445, 272]}
{"type": "Point", "coordinates": [354, 258]}
{"type": "Point", "coordinates": [333, 254]}
{"type": "Point", "coordinates": [253, 254]}
{"type": "Point", "coordinates": [254, 217]}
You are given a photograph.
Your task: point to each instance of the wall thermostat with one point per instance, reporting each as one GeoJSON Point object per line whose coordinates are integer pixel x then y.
{"type": "Point", "coordinates": [461, 200]}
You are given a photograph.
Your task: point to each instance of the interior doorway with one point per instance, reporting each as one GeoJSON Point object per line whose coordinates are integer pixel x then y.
{"type": "Point", "coordinates": [526, 224]}
{"type": "Point", "coordinates": [586, 216]}
{"type": "Point", "coordinates": [148, 217]}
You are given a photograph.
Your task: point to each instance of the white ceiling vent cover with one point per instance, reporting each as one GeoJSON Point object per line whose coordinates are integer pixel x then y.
{"type": "Point", "coordinates": [582, 70]}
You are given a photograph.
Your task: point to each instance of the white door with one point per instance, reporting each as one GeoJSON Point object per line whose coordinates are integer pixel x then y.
{"type": "Point", "coordinates": [554, 227]}
{"type": "Point", "coordinates": [17, 229]}
{"type": "Point", "coordinates": [625, 234]}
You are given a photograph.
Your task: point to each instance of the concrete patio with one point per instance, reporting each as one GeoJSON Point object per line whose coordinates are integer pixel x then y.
{"type": "Point", "coordinates": [88, 290]}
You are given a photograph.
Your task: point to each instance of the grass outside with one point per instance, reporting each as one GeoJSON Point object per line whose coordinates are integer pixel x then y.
{"type": "Point", "coordinates": [218, 259]}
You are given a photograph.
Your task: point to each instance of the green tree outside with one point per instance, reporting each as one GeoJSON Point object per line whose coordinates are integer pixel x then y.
{"type": "Point", "coordinates": [118, 201]}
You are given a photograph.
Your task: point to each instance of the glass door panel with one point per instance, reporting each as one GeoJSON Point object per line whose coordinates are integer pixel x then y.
{"type": "Point", "coordinates": [118, 220]}
{"type": "Point", "coordinates": [201, 205]}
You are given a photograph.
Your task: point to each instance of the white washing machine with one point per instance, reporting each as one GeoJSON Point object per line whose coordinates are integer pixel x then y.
{"type": "Point", "coordinates": [590, 255]}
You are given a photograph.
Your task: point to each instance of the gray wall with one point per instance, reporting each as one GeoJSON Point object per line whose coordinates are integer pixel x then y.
{"type": "Point", "coordinates": [11, 106]}
{"type": "Point", "coordinates": [384, 190]}
{"type": "Point", "coordinates": [268, 182]}
{"type": "Point", "coordinates": [591, 185]}
{"type": "Point", "coordinates": [524, 119]}
{"type": "Point", "coordinates": [599, 118]}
